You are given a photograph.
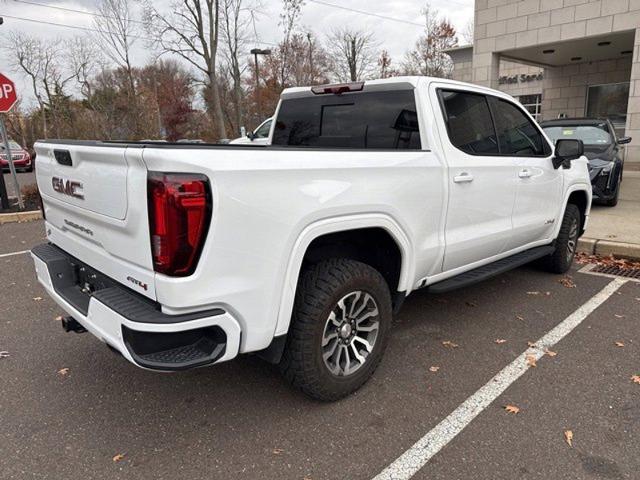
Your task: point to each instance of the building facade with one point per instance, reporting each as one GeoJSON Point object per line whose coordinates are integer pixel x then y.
{"type": "Point", "coordinates": [575, 58]}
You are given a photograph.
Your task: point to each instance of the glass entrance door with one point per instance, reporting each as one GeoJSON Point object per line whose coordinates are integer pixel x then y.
{"type": "Point", "coordinates": [609, 101]}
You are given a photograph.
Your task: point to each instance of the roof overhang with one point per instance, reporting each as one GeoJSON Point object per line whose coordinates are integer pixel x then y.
{"type": "Point", "coordinates": [586, 49]}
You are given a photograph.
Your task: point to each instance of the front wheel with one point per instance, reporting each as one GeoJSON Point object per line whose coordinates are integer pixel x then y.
{"type": "Point", "coordinates": [613, 201]}
{"type": "Point", "coordinates": [339, 328]}
{"type": "Point", "coordinates": [561, 259]}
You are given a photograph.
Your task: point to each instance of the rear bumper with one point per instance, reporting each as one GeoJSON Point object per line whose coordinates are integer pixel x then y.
{"type": "Point", "coordinates": [132, 324]}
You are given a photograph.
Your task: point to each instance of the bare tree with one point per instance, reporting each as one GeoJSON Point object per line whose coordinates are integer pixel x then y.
{"type": "Point", "coordinates": [385, 70]}
{"type": "Point", "coordinates": [192, 32]}
{"type": "Point", "coordinates": [27, 53]}
{"type": "Point", "coordinates": [468, 32]}
{"type": "Point", "coordinates": [429, 57]}
{"type": "Point", "coordinates": [353, 53]}
{"type": "Point", "coordinates": [85, 60]}
{"type": "Point", "coordinates": [237, 18]}
{"type": "Point", "coordinates": [117, 31]}
{"type": "Point", "coordinates": [289, 18]}
{"type": "Point", "coordinates": [42, 63]}
{"type": "Point", "coordinates": [116, 34]}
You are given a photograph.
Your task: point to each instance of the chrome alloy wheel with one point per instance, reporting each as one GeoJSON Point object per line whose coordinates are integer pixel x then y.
{"type": "Point", "coordinates": [573, 241]}
{"type": "Point", "coordinates": [350, 333]}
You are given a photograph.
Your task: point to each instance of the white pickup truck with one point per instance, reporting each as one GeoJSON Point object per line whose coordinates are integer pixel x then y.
{"type": "Point", "coordinates": [180, 256]}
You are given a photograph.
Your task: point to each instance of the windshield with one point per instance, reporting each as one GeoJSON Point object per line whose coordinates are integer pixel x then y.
{"type": "Point", "coordinates": [13, 145]}
{"type": "Point", "coordinates": [589, 134]}
{"type": "Point", "coordinates": [263, 130]}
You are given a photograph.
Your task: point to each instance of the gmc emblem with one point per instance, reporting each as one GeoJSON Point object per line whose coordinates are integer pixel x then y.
{"type": "Point", "coordinates": [68, 187]}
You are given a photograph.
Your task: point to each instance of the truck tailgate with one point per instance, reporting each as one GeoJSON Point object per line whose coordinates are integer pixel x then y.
{"type": "Point", "coordinates": [95, 203]}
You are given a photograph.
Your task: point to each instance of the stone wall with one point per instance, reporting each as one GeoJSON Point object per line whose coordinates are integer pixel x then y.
{"type": "Point", "coordinates": [507, 25]}
{"type": "Point", "coordinates": [565, 88]}
{"type": "Point", "coordinates": [633, 111]}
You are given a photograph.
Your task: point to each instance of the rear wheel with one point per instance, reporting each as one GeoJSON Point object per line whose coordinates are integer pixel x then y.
{"type": "Point", "coordinates": [339, 329]}
{"type": "Point", "coordinates": [561, 259]}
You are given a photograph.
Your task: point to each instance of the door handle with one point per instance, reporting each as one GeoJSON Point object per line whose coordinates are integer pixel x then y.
{"type": "Point", "coordinates": [525, 173]}
{"type": "Point", "coordinates": [464, 177]}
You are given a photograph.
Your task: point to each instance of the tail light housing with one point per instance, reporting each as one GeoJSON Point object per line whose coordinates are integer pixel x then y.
{"type": "Point", "coordinates": [179, 217]}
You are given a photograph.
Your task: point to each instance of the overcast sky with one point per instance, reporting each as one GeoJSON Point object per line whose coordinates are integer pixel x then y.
{"type": "Point", "coordinates": [394, 36]}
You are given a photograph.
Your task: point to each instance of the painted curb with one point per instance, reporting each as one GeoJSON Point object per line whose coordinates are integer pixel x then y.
{"type": "Point", "coordinates": [594, 246]}
{"type": "Point", "coordinates": [20, 217]}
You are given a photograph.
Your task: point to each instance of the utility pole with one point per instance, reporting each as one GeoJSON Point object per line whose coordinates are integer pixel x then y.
{"type": "Point", "coordinates": [255, 52]}
{"type": "Point", "coordinates": [311, 75]}
{"type": "Point", "coordinates": [8, 98]}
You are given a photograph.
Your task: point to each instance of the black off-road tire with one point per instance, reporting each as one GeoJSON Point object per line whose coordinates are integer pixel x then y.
{"type": "Point", "coordinates": [320, 288]}
{"type": "Point", "coordinates": [561, 259]}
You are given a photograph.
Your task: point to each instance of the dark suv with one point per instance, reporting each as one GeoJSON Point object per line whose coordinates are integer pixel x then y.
{"type": "Point", "coordinates": [601, 147]}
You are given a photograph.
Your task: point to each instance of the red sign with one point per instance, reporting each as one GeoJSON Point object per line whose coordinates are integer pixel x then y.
{"type": "Point", "coordinates": [8, 95]}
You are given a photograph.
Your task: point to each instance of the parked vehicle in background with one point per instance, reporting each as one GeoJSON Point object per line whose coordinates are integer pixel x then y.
{"type": "Point", "coordinates": [20, 156]}
{"type": "Point", "coordinates": [180, 256]}
{"type": "Point", "coordinates": [601, 147]}
{"type": "Point", "coordinates": [260, 136]}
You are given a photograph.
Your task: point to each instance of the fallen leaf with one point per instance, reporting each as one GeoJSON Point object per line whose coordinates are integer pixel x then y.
{"type": "Point", "coordinates": [450, 344]}
{"type": "Point", "coordinates": [567, 281]}
{"type": "Point", "coordinates": [434, 369]}
{"type": "Point", "coordinates": [277, 451]}
{"type": "Point", "coordinates": [531, 360]}
{"type": "Point", "coordinates": [37, 299]}
{"type": "Point", "coordinates": [635, 379]}
{"type": "Point", "coordinates": [618, 316]}
{"type": "Point", "coordinates": [520, 317]}
{"type": "Point", "coordinates": [119, 457]}
{"type": "Point", "coordinates": [500, 341]}
{"type": "Point", "coordinates": [512, 409]}
{"type": "Point", "coordinates": [58, 318]}
{"type": "Point", "coordinates": [550, 353]}
{"type": "Point", "coordinates": [532, 345]}
{"type": "Point", "coordinates": [471, 304]}
{"type": "Point", "coordinates": [568, 435]}
{"type": "Point", "coordinates": [620, 344]}
{"type": "Point", "coordinates": [4, 354]}
{"type": "Point", "coordinates": [63, 371]}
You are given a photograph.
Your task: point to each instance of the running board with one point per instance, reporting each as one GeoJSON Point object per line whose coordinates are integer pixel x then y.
{"type": "Point", "coordinates": [491, 270]}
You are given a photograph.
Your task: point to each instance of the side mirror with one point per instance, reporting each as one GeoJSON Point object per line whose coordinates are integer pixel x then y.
{"type": "Point", "coordinates": [566, 151]}
{"type": "Point", "coordinates": [624, 140]}
{"type": "Point", "coordinates": [251, 136]}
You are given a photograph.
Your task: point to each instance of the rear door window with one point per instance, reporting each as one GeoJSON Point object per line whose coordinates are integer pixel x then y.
{"type": "Point", "coordinates": [469, 122]}
{"type": "Point", "coordinates": [363, 120]}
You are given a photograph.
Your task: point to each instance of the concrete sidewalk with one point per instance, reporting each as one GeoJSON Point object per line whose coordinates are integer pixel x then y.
{"type": "Point", "coordinates": [616, 230]}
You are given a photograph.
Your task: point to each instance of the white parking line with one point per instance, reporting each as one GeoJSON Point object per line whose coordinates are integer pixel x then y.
{"type": "Point", "coordinates": [13, 254]}
{"type": "Point", "coordinates": [408, 464]}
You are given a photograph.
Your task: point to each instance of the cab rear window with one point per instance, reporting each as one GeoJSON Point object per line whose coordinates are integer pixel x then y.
{"type": "Point", "coordinates": [363, 120]}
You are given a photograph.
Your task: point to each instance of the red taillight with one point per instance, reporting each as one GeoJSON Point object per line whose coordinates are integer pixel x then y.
{"type": "Point", "coordinates": [179, 214]}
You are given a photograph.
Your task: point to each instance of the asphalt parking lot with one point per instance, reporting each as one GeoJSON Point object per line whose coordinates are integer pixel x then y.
{"type": "Point", "coordinates": [68, 406]}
